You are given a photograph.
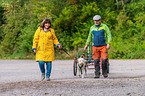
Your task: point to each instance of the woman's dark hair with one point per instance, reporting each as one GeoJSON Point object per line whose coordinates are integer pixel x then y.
{"type": "Point", "coordinates": [46, 20]}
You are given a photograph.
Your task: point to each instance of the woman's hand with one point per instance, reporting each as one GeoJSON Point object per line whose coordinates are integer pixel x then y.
{"type": "Point", "coordinates": [59, 46]}
{"type": "Point", "coordinates": [34, 51]}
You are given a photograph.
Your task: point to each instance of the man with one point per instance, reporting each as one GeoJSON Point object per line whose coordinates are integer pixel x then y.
{"type": "Point", "coordinates": [101, 36]}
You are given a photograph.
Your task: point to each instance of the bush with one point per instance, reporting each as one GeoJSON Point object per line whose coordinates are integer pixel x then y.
{"type": "Point", "coordinates": [75, 21]}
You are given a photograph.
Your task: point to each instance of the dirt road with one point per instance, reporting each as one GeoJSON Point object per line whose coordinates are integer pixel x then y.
{"type": "Point", "coordinates": [22, 77]}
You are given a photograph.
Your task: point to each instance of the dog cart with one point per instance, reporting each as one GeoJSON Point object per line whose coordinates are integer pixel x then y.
{"type": "Point", "coordinates": [89, 62]}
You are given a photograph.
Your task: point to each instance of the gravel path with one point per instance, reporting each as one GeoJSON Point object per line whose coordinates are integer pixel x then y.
{"type": "Point", "coordinates": [22, 77]}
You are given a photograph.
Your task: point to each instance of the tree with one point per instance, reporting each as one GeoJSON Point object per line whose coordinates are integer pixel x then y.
{"type": "Point", "coordinates": [2, 22]}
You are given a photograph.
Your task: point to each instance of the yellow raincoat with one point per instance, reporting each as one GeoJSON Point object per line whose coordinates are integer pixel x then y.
{"type": "Point", "coordinates": [44, 44]}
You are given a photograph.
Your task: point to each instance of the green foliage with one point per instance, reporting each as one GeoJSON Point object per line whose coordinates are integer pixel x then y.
{"type": "Point", "coordinates": [2, 22]}
{"type": "Point", "coordinates": [11, 28]}
{"type": "Point", "coordinates": [72, 20]}
{"type": "Point", "coordinates": [53, 6]}
{"type": "Point", "coordinates": [75, 21]}
{"type": "Point", "coordinates": [1, 15]}
{"type": "Point", "coordinates": [26, 40]}
{"type": "Point", "coordinates": [21, 22]}
{"type": "Point", "coordinates": [131, 32]}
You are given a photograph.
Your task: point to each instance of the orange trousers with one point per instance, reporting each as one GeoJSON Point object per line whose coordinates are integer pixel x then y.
{"type": "Point", "coordinates": [100, 52]}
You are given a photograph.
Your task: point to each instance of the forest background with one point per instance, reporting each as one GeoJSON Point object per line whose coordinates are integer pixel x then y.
{"type": "Point", "coordinates": [72, 20]}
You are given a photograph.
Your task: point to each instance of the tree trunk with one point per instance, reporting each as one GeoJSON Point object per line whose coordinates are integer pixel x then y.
{"type": "Point", "coordinates": [117, 4]}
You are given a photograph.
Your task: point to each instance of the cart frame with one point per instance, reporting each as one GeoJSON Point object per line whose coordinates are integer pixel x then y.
{"type": "Point", "coordinates": [88, 60]}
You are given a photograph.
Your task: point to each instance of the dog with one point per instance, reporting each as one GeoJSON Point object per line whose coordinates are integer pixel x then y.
{"type": "Point", "coordinates": [82, 67]}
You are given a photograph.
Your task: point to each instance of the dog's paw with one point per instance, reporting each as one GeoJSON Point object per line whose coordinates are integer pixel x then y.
{"type": "Point", "coordinates": [83, 76]}
{"type": "Point", "coordinates": [80, 76]}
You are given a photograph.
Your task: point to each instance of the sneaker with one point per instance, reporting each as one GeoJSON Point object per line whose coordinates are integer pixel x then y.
{"type": "Point", "coordinates": [97, 76]}
{"type": "Point", "coordinates": [48, 78]}
{"type": "Point", "coordinates": [42, 76]}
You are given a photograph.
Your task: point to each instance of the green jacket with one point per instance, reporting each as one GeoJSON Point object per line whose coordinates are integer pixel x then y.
{"type": "Point", "coordinates": [99, 35]}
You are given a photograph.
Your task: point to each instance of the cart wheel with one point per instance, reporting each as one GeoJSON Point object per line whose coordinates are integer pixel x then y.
{"type": "Point", "coordinates": [75, 68]}
{"type": "Point", "coordinates": [107, 66]}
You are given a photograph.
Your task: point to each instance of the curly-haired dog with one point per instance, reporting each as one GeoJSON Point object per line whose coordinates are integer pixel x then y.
{"type": "Point", "coordinates": [82, 67]}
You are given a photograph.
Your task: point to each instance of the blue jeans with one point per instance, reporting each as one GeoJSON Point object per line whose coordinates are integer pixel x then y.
{"type": "Point", "coordinates": [48, 67]}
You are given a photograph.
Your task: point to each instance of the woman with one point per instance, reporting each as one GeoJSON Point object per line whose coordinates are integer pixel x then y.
{"type": "Point", "coordinates": [44, 48]}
